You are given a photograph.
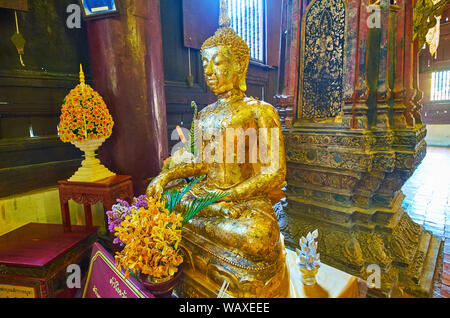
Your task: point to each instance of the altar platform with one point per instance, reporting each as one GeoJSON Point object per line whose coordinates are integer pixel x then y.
{"type": "Point", "coordinates": [331, 282]}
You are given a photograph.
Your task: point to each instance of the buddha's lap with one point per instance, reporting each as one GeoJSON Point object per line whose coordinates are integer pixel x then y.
{"type": "Point", "coordinates": [255, 232]}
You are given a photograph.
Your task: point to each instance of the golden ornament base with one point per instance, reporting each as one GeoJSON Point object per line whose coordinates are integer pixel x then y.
{"type": "Point", "coordinates": [309, 276]}
{"type": "Point", "coordinates": [91, 169]}
{"type": "Point", "coordinates": [207, 265]}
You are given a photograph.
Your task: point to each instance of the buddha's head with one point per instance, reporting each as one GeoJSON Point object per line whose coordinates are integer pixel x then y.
{"type": "Point", "coordinates": [225, 59]}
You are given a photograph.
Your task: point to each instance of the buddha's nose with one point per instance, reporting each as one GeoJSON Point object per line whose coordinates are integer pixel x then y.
{"type": "Point", "coordinates": [209, 69]}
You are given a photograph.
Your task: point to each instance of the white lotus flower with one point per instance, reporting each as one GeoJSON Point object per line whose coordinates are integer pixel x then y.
{"type": "Point", "coordinates": [307, 256]}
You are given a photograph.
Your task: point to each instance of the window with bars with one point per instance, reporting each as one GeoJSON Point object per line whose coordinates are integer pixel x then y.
{"type": "Point", "coordinates": [247, 19]}
{"type": "Point", "coordinates": [440, 86]}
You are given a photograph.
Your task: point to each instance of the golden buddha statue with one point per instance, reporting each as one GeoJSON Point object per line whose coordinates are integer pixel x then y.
{"type": "Point", "coordinates": [236, 239]}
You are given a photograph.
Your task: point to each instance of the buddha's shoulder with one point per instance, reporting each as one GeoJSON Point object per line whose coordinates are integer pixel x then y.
{"type": "Point", "coordinates": [261, 107]}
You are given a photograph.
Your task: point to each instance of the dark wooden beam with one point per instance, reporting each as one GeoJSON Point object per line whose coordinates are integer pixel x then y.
{"type": "Point", "coordinates": [14, 4]}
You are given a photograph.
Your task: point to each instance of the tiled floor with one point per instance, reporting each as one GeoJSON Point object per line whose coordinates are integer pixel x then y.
{"type": "Point", "coordinates": [428, 201]}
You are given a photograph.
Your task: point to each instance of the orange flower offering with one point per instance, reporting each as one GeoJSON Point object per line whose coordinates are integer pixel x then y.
{"type": "Point", "coordinates": [84, 115]}
{"type": "Point", "coordinates": [151, 238]}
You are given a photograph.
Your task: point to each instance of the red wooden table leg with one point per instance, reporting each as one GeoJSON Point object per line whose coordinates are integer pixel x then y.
{"type": "Point", "coordinates": [88, 214]}
{"type": "Point", "coordinates": [65, 215]}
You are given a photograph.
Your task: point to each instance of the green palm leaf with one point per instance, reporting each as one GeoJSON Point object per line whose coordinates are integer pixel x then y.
{"type": "Point", "coordinates": [189, 211]}
{"type": "Point", "coordinates": [174, 197]}
{"type": "Point", "coordinates": [193, 128]}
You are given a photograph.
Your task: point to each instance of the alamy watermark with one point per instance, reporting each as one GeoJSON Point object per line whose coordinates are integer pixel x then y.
{"type": "Point", "coordinates": [230, 146]}
{"type": "Point", "coordinates": [73, 20]}
{"type": "Point", "coordinates": [374, 18]}
{"type": "Point", "coordinates": [74, 278]}
{"type": "Point", "coordinates": [374, 279]}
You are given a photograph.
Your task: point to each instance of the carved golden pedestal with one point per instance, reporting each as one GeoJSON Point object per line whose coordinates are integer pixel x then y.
{"type": "Point", "coordinates": [91, 169]}
{"type": "Point", "coordinates": [347, 184]}
{"type": "Point", "coordinates": [207, 265]}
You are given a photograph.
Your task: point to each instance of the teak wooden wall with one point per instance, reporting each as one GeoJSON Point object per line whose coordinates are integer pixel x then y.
{"type": "Point", "coordinates": [31, 96]}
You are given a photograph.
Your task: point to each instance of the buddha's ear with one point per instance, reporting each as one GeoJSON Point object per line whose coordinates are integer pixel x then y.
{"type": "Point", "coordinates": [243, 80]}
{"type": "Point", "coordinates": [243, 84]}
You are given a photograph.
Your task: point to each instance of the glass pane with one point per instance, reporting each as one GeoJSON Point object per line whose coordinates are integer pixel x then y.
{"type": "Point", "coordinates": [247, 20]}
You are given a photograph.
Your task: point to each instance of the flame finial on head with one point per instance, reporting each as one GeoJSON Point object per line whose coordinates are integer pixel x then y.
{"type": "Point", "coordinates": [224, 19]}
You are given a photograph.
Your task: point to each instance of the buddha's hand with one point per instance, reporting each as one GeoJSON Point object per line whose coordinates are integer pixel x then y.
{"type": "Point", "coordinates": [231, 196]}
{"type": "Point", "coordinates": [156, 187]}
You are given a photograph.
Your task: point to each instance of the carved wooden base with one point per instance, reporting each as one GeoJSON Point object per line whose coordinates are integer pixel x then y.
{"type": "Point", "coordinates": [207, 265]}
{"type": "Point", "coordinates": [405, 252]}
{"type": "Point", "coordinates": [346, 183]}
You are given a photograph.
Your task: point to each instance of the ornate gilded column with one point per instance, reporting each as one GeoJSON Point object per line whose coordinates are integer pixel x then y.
{"type": "Point", "coordinates": [127, 69]}
{"type": "Point", "coordinates": [361, 90]}
{"type": "Point", "coordinates": [383, 91]}
{"type": "Point", "coordinates": [345, 177]}
{"type": "Point", "coordinates": [409, 60]}
{"type": "Point", "coordinates": [418, 94]}
{"type": "Point", "coordinates": [352, 68]}
{"type": "Point", "coordinates": [399, 91]}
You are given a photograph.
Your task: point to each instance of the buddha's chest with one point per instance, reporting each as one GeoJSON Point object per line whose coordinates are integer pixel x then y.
{"type": "Point", "coordinates": [221, 120]}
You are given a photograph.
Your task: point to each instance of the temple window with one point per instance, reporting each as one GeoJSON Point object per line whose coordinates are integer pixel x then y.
{"type": "Point", "coordinates": [440, 86]}
{"type": "Point", "coordinates": [247, 19]}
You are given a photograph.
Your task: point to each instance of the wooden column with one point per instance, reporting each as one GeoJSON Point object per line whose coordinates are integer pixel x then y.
{"type": "Point", "coordinates": [399, 120]}
{"type": "Point", "coordinates": [127, 70]}
{"type": "Point", "coordinates": [361, 90]}
{"type": "Point", "coordinates": [409, 53]}
{"type": "Point", "coordinates": [351, 67]}
{"type": "Point", "coordinates": [286, 98]}
{"type": "Point", "coordinates": [382, 120]}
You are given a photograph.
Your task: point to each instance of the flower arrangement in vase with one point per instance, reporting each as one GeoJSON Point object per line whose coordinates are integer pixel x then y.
{"type": "Point", "coordinates": [307, 258]}
{"type": "Point", "coordinates": [151, 236]}
{"type": "Point", "coordinates": [86, 123]}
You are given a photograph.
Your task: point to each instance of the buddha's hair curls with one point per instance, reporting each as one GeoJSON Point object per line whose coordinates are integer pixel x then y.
{"type": "Point", "coordinates": [229, 38]}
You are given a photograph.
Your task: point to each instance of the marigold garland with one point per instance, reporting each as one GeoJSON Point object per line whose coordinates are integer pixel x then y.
{"type": "Point", "coordinates": [84, 115]}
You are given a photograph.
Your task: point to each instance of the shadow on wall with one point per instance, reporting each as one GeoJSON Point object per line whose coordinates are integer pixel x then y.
{"type": "Point", "coordinates": [438, 135]}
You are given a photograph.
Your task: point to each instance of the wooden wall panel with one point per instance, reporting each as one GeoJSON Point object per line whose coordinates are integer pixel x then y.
{"type": "Point", "coordinates": [33, 95]}
{"type": "Point", "coordinates": [200, 21]}
{"type": "Point", "coordinates": [273, 22]}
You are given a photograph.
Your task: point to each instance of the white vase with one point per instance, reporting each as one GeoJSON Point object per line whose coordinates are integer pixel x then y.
{"type": "Point", "coordinates": [91, 169]}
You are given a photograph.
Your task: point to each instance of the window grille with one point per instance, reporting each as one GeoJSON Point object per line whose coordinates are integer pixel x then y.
{"type": "Point", "coordinates": [440, 86]}
{"type": "Point", "coordinates": [247, 19]}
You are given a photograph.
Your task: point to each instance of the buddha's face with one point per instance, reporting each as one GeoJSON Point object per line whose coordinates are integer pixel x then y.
{"type": "Point", "coordinates": [222, 74]}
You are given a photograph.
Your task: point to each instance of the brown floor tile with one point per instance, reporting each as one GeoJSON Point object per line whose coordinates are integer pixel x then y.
{"type": "Point", "coordinates": [445, 291]}
{"type": "Point", "coordinates": [446, 278]}
{"type": "Point", "coordinates": [446, 258]}
{"type": "Point", "coordinates": [446, 267]}
{"type": "Point", "coordinates": [447, 246]}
